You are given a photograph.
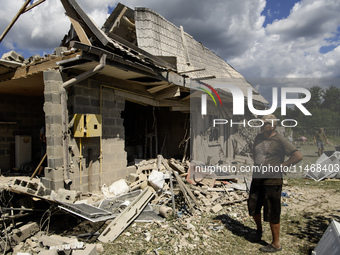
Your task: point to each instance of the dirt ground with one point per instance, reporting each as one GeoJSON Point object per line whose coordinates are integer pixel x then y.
{"type": "Point", "coordinates": [306, 214]}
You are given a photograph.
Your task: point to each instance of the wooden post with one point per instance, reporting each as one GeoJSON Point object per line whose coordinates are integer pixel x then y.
{"type": "Point", "coordinates": [36, 170]}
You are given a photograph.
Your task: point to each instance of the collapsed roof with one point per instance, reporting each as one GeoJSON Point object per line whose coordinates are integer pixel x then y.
{"type": "Point", "coordinates": [141, 46]}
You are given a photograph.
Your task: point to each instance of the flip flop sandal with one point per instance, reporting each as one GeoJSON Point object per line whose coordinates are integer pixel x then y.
{"type": "Point", "coordinates": [270, 249]}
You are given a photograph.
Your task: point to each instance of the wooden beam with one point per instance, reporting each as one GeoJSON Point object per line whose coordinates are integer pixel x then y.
{"type": "Point", "coordinates": [180, 109]}
{"type": "Point", "coordinates": [76, 25]}
{"type": "Point", "coordinates": [80, 31]}
{"type": "Point", "coordinates": [14, 19]}
{"type": "Point", "coordinates": [117, 21]}
{"type": "Point", "coordinates": [191, 71]}
{"type": "Point", "coordinates": [157, 88]}
{"type": "Point", "coordinates": [168, 93]}
{"type": "Point", "coordinates": [137, 98]}
{"type": "Point", "coordinates": [34, 5]}
{"type": "Point", "coordinates": [123, 220]}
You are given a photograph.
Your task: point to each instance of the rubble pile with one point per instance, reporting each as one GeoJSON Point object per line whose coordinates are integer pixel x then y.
{"type": "Point", "coordinates": [159, 189]}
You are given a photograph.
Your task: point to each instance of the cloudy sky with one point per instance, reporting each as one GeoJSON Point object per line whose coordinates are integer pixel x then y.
{"type": "Point", "coordinates": [259, 38]}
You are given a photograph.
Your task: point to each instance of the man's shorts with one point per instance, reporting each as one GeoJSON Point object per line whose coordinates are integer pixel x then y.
{"type": "Point", "coordinates": [268, 196]}
{"type": "Point", "coordinates": [319, 145]}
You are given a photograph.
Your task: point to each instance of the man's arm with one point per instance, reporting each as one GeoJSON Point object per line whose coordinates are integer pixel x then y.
{"type": "Point", "coordinates": [295, 158]}
{"type": "Point", "coordinates": [325, 138]}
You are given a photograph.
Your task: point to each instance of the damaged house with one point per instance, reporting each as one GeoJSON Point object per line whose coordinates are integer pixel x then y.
{"type": "Point", "coordinates": [113, 95]}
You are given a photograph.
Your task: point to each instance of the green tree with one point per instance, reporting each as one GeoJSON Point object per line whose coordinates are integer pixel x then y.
{"type": "Point", "coordinates": [331, 98]}
{"type": "Point", "coordinates": [315, 101]}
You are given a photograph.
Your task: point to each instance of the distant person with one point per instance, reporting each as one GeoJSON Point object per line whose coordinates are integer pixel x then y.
{"type": "Point", "coordinates": [42, 137]}
{"type": "Point", "coordinates": [319, 139]}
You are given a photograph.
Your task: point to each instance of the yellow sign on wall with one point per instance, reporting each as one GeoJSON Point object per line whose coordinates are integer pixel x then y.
{"type": "Point", "coordinates": [87, 125]}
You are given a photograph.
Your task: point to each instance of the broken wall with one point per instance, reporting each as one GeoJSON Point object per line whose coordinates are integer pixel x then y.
{"type": "Point", "coordinates": [19, 115]}
{"type": "Point", "coordinates": [87, 97]}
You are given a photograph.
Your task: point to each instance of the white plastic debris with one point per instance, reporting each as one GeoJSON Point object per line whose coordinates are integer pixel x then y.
{"type": "Point", "coordinates": [156, 179]}
{"type": "Point", "coordinates": [119, 187]}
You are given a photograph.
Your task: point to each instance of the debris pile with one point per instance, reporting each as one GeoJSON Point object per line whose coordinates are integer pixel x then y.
{"type": "Point", "coordinates": [159, 189]}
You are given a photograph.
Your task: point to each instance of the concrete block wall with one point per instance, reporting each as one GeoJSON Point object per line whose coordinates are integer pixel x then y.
{"type": "Point", "coordinates": [52, 108]}
{"type": "Point", "coordinates": [19, 115]}
{"type": "Point", "coordinates": [86, 97]}
{"type": "Point", "coordinates": [94, 97]}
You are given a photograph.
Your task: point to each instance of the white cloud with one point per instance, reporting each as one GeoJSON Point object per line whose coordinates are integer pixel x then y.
{"type": "Point", "coordinates": [291, 46]}
{"type": "Point", "coordinates": [233, 29]}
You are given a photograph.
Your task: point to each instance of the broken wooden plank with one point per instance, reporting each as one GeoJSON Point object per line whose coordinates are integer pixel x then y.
{"type": "Point", "coordinates": [185, 195]}
{"type": "Point", "coordinates": [80, 31]}
{"type": "Point", "coordinates": [169, 92]}
{"type": "Point", "coordinates": [76, 25]}
{"type": "Point", "coordinates": [157, 88]}
{"type": "Point", "coordinates": [176, 166]}
{"type": "Point", "coordinates": [117, 21]}
{"type": "Point", "coordinates": [179, 180]}
{"type": "Point", "coordinates": [33, 5]}
{"type": "Point", "coordinates": [121, 222]}
{"type": "Point", "coordinates": [167, 167]}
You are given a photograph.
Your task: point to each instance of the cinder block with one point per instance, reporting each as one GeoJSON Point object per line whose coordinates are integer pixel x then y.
{"type": "Point", "coordinates": [13, 56]}
{"type": "Point", "coordinates": [54, 162]}
{"type": "Point", "coordinates": [25, 232]}
{"type": "Point", "coordinates": [68, 196]}
{"type": "Point", "coordinates": [55, 240]}
{"type": "Point", "coordinates": [46, 182]}
{"type": "Point", "coordinates": [90, 249]}
{"type": "Point", "coordinates": [57, 184]}
{"type": "Point", "coordinates": [121, 174]}
{"type": "Point", "coordinates": [52, 75]}
{"type": "Point", "coordinates": [52, 86]}
{"type": "Point", "coordinates": [54, 173]}
{"type": "Point", "coordinates": [82, 100]}
{"type": "Point", "coordinates": [59, 50]}
{"type": "Point", "coordinates": [48, 252]}
{"type": "Point", "coordinates": [133, 177]}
